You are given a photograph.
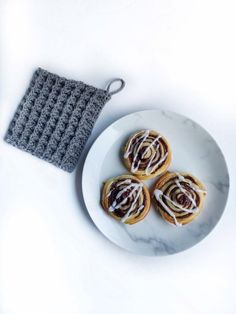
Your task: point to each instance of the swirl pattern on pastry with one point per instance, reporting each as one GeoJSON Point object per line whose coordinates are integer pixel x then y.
{"type": "Point", "coordinates": [147, 154]}
{"type": "Point", "coordinates": [179, 197]}
{"type": "Point", "coordinates": [126, 199]}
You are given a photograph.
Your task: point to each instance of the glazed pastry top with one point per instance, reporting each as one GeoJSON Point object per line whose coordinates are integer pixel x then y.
{"type": "Point", "coordinates": [125, 198]}
{"type": "Point", "coordinates": [147, 151]}
{"type": "Point", "coordinates": [179, 196]}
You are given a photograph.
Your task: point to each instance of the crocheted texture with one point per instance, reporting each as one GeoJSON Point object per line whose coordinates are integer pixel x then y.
{"type": "Point", "coordinates": [55, 118]}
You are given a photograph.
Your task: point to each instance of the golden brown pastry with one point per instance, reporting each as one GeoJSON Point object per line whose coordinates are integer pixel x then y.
{"type": "Point", "coordinates": [126, 199]}
{"type": "Point", "coordinates": [179, 197]}
{"type": "Point", "coordinates": [147, 154]}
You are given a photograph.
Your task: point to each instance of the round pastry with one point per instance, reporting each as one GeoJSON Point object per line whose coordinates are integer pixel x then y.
{"type": "Point", "coordinates": [179, 197]}
{"type": "Point", "coordinates": [126, 199]}
{"type": "Point", "coordinates": [147, 154]}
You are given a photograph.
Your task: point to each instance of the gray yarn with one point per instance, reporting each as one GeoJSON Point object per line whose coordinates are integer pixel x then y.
{"type": "Point", "coordinates": [55, 118]}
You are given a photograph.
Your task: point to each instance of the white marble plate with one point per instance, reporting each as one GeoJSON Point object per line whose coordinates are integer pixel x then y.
{"type": "Point", "coordinates": [194, 151]}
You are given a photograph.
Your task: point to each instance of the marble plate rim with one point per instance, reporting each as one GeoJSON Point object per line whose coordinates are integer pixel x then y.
{"type": "Point", "coordinates": [106, 130]}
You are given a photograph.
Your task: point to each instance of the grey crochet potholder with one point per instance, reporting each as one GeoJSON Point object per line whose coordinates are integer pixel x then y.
{"type": "Point", "coordinates": [55, 118]}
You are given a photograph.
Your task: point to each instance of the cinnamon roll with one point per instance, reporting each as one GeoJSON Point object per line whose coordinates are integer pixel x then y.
{"type": "Point", "coordinates": [179, 197]}
{"type": "Point", "coordinates": [126, 199]}
{"type": "Point", "coordinates": [147, 154]}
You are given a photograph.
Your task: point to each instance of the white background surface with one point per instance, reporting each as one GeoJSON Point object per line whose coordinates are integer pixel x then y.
{"type": "Point", "coordinates": [177, 55]}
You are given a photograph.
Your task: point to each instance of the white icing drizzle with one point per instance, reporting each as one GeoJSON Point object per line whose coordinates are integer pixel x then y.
{"type": "Point", "coordinates": [139, 209]}
{"type": "Point", "coordinates": [144, 136]}
{"type": "Point", "coordinates": [181, 178]}
{"type": "Point", "coordinates": [149, 171]}
{"type": "Point", "coordinates": [185, 193]}
{"type": "Point", "coordinates": [123, 182]}
{"type": "Point", "coordinates": [128, 151]}
{"type": "Point", "coordinates": [178, 206]}
{"type": "Point", "coordinates": [150, 145]}
{"type": "Point", "coordinates": [133, 187]}
{"type": "Point", "coordinates": [126, 216]}
{"type": "Point", "coordinates": [116, 205]}
{"type": "Point", "coordinates": [118, 184]}
{"type": "Point", "coordinates": [158, 194]}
